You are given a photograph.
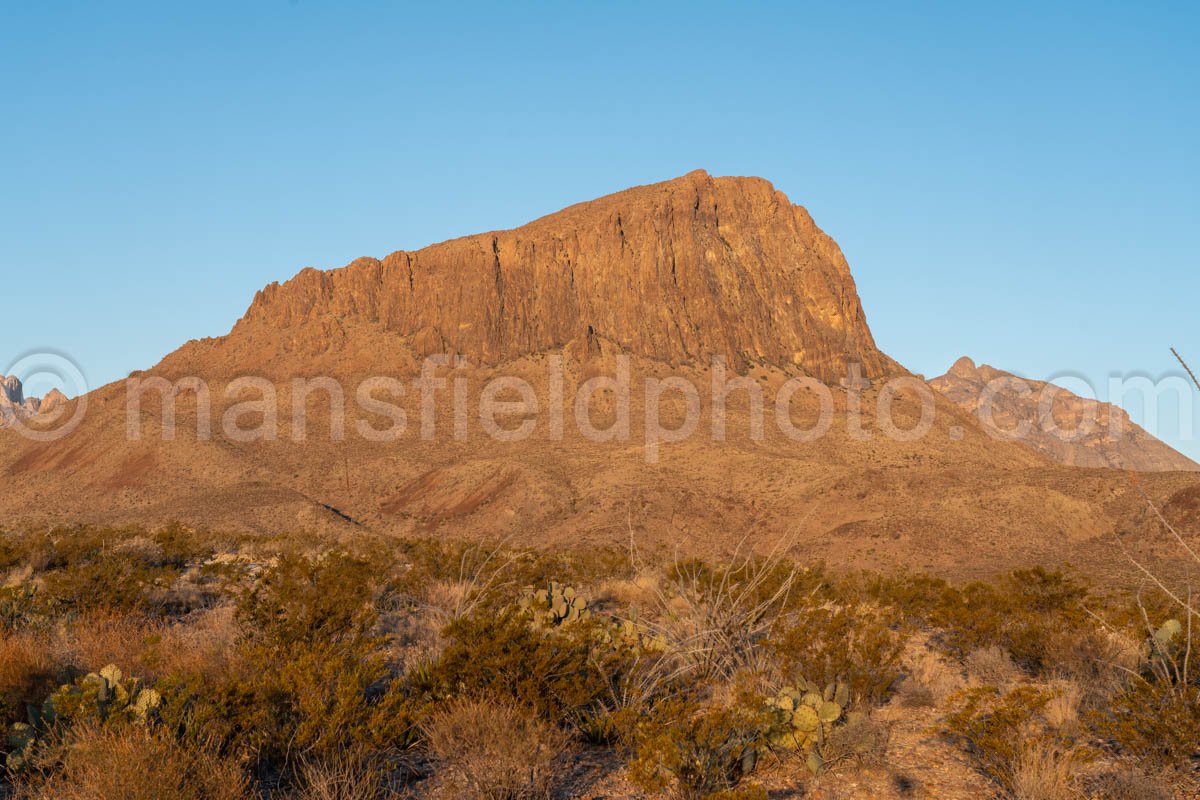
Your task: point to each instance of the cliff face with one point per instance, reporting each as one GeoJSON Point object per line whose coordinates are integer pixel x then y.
{"type": "Point", "coordinates": [15, 405]}
{"type": "Point", "coordinates": [1079, 432]}
{"type": "Point", "coordinates": [677, 271]}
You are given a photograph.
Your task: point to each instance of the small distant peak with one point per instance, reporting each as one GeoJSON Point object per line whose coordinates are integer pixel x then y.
{"type": "Point", "coordinates": [53, 397]}
{"type": "Point", "coordinates": [964, 366]}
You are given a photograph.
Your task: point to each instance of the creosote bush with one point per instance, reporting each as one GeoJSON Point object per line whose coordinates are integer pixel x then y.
{"type": "Point", "coordinates": [825, 644]}
{"type": "Point", "coordinates": [699, 751]}
{"type": "Point", "coordinates": [1006, 733]}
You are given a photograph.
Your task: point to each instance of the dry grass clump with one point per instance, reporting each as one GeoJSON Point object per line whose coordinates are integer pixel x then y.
{"type": "Point", "coordinates": [492, 750]}
{"type": "Point", "coordinates": [1095, 659]}
{"type": "Point", "coordinates": [862, 740]}
{"type": "Point", "coordinates": [912, 694]}
{"type": "Point", "coordinates": [992, 666]}
{"type": "Point", "coordinates": [350, 775]}
{"type": "Point", "coordinates": [930, 679]}
{"type": "Point", "coordinates": [1062, 710]}
{"type": "Point", "coordinates": [201, 645]}
{"type": "Point", "coordinates": [108, 637]}
{"type": "Point", "coordinates": [1127, 784]}
{"type": "Point", "coordinates": [641, 591]}
{"type": "Point", "coordinates": [131, 762]}
{"type": "Point", "coordinates": [1045, 772]}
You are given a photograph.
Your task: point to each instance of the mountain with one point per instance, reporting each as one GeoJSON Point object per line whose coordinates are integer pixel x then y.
{"type": "Point", "coordinates": [659, 279]}
{"type": "Point", "coordinates": [677, 272]}
{"type": "Point", "coordinates": [1078, 431]}
{"type": "Point", "coordinates": [14, 405]}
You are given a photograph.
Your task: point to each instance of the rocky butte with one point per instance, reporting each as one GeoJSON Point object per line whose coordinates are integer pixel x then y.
{"type": "Point", "coordinates": [672, 275]}
{"type": "Point", "coordinates": [677, 272]}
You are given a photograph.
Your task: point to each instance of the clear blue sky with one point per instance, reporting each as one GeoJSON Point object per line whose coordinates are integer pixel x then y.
{"type": "Point", "coordinates": [1018, 184]}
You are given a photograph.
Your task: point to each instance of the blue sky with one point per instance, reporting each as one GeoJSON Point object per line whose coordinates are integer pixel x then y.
{"type": "Point", "coordinates": [1020, 184]}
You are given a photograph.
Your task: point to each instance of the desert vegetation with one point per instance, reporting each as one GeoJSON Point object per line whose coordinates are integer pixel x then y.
{"type": "Point", "coordinates": [183, 663]}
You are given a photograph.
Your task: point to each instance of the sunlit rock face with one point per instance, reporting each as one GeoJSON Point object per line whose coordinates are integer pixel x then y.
{"type": "Point", "coordinates": [1075, 431]}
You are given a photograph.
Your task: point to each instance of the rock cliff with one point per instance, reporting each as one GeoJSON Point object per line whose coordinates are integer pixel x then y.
{"type": "Point", "coordinates": [15, 405]}
{"type": "Point", "coordinates": [677, 272]}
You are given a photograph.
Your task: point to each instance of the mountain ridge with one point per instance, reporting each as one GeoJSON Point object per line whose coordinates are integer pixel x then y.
{"type": "Point", "coordinates": [1114, 440]}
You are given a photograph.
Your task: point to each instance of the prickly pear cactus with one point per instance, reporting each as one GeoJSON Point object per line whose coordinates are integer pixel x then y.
{"type": "Point", "coordinates": [635, 634]}
{"type": "Point", "coordinates": [21, 738]}
{"type": "Point", "coordinates": [1168, 633]}
{"type": "Point", "coordinates": [556, 604]}
{"type": "Point", "coordinates": [805, 714]}
{"type": "Point", "coordinates": [1165, 642]}
{"type": "Point", "coordinates": [102, 695]}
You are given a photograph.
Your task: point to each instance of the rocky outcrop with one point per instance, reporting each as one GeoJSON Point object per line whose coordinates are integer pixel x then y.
{"type": "Point", "coordinates": [11, 392]}
{"type": "Point", "coordinates": [1064, 426]}
{"type": "Point", "coordinates": [15, 405]}
{"type": "Point", "coordinates": [52, 401]}
{"type": "Point", "coordinates": [678, 272]}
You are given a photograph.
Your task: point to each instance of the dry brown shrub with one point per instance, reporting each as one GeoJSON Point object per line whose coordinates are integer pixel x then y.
{"type": "Point", "coordinates": [863, 739]}
{"type": "Point", "coordinates": [912, 694]}
{"type": "Point", "coordinates": [29, 670]}
{"type": "Point", "coordinates": [992, 666]}
{"type": "Point", "coordinates": [492, 751]}
{"type": "Point", "coordinates": [203, 645]}
{"type": "Point", "coordinates": [95, 640]}
{"type": "Point", "coordinates": [640, 592]}
{"type": "Point", "coordinates": [131, 762]}
{"type": "Point", "coordinates": [1095, 659]}
{"type": "Point", "coordinates": [1045, 772]}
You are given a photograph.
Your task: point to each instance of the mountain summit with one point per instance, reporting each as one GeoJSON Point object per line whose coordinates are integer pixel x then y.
{"type": "Point", "coordinates": [1077, 431]}
{"type": "Point", "coordinates": [679, 272]}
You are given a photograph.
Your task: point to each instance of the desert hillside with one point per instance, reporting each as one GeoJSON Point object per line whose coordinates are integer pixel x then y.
{"type": "Point", "coordinates": [668, 276]}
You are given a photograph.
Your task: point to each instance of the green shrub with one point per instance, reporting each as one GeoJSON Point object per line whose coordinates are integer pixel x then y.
{"type": "Point", "coordinates": [699, 751]}
{"type": "Point", "coordinates": [1156, 722]}
{"type": "Point", "coordinates": [1023, 612]}
{"type": "Point", "coordinates": [311, 678]}
{"type": "Point", "coordinates": [310, 601]}
{"type": "Point", "coordinates": [124, 583]}
{"type": "Point", "coordinates": [566, 674]}
{"type": "Point", "coordinates": [824, 645]}
{"type": "Point", "coordinates": [995, 727]}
